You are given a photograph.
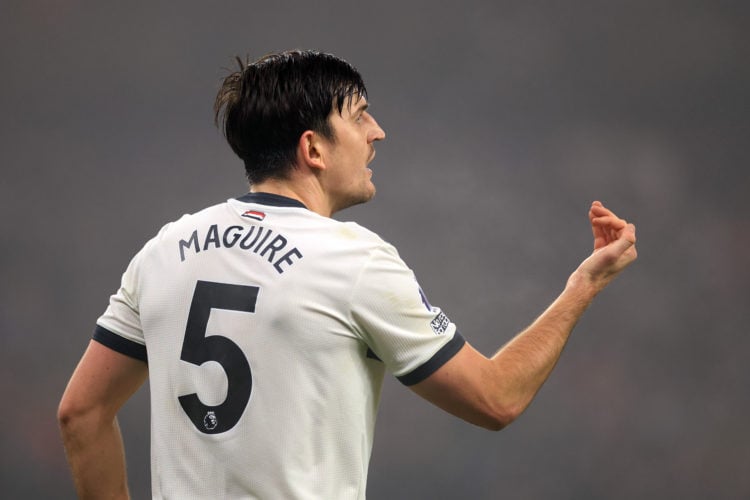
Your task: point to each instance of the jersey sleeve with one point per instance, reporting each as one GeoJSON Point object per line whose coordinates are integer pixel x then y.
{"type": "Point", "coordinates": [393, 316]}
{"type": "Point", "coordinates": [119, 328]}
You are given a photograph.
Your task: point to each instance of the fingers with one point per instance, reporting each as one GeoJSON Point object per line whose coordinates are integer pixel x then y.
{"type": "Point", "coordinates": [609, 220]}
{"type": "Point", "coordinates": [611, 258]}
{"type": "Point", "coordinates": [599, 210]}
{"type": "Point", "coordinates": [606, 226]}
{"type": "Point", "coordinates": [601, 215]}
{"type": "Point", "coordinates": [624, 246]}
{"type": "Point", "coordinates": [627, 235]}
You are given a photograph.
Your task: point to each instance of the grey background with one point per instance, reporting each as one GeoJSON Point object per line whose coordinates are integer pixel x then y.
{"type": "Point", "coordinates": [504, 120]}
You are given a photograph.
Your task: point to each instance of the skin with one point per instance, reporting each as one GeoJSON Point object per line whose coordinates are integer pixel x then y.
{"type": "Point", "coordinates": [101, 383]}
{"type": "Point", "coordinates": [329, 176]}
{"type": "Point", "coordinates": [493, 392]}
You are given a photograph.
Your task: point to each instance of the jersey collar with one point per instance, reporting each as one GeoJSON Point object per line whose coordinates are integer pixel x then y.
{"type": "Point", "coordinates": [270, 199]}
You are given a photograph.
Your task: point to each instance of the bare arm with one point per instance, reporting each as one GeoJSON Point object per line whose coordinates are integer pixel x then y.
{"type": "Point", "coordinates": [494, 392]}
{"type": "Point", "coordinates": [100, 385]}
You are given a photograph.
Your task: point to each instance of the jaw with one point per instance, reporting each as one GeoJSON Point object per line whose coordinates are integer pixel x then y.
{"type": "Point", "coordinates": [362, 193]}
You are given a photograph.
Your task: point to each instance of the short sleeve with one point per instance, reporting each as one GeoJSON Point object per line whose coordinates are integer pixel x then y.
{"type": "Point", "coordinates": [119, 328]}
{"type": "Point", "coordinates": [394, 318]}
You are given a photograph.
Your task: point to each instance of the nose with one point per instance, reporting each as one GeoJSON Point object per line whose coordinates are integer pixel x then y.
{"type": "Point", "coordinates": [377, 133]}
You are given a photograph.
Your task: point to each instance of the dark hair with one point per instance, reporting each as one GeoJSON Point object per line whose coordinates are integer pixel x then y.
{"type": "Point", "coordinates": [264, 108]}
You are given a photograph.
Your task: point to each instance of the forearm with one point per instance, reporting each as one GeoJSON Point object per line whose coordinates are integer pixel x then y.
{"type": "Point", "coordinates": [523, 364]}
{"type": "Point", "coordinates": [96, 456]}
{"type": "Point", "coordinates": [494, 392]}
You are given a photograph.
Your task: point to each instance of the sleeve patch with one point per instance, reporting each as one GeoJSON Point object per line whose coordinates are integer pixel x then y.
{"type": "Point", "coordinates": [440, 323]}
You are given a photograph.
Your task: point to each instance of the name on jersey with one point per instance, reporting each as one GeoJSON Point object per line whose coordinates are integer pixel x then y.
{"type": "Point", "coordinates": [256, 239]}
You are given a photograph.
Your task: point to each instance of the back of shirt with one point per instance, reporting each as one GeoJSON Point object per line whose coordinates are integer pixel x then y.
{"type": "Point", "coordinates": [268, 329]}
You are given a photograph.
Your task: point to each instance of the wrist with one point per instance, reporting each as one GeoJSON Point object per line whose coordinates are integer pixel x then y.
{"type": "Point", "coordinates": [583, 284]}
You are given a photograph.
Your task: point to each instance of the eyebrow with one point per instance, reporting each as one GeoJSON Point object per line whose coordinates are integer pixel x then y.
{"type": "Point", "coordinates": [362, 107]}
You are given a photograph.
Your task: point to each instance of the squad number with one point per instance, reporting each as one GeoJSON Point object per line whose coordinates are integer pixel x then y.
{"type": "Point", "coordinates": [197, 348]}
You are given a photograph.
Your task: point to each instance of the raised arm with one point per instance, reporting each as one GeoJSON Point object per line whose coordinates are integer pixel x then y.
{"type": "Point", "coordinates": [493, 392]}
{"type": "Point", "coordinates": [100, 385]}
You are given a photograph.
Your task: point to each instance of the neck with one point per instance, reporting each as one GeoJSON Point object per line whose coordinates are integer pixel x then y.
{"type": "Point", "coordinates": [309, 193]}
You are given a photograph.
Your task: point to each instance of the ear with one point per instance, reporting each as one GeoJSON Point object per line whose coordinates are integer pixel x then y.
{"type": "Point", "coordinates": [310, 149]}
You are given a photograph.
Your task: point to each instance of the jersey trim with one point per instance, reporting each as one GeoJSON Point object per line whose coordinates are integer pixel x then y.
{"type": "Point", "coordinates": [439, 359]}
{"type": "Point", "coordinates": [270, 199]}
{"type": "Point", "coordinates": [120, 344]}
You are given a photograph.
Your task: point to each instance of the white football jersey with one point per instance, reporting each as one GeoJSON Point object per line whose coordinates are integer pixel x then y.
{"type": "Point", "coordinates": [267, 329]}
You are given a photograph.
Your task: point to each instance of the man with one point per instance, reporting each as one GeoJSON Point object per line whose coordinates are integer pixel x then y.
{"type": "Point", "coordinates": [265, 327]}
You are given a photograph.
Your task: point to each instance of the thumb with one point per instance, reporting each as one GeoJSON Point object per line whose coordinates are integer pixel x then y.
{"type": "Point", "coordinates": [625, 242]}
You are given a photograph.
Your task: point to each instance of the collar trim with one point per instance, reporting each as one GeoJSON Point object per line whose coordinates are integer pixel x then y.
{"type": "Point", "coordinates": [270, 199]}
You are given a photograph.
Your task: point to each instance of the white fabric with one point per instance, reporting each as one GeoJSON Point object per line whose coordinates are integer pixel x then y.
{"type": "Point", "coordinates": [327, 292]}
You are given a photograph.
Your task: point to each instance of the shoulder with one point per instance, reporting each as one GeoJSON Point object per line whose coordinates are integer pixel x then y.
{"type": "Point", "coordinates": [356, 231]}
{"type": "Point", "coordinates": [188, 220]}
{"type": "Point", "coordinates": [369, 245]}
{"type": "Point", "coordinates": [176, 229]}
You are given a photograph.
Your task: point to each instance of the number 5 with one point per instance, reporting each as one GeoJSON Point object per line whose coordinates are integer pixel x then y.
{"type": "Point", "coordinates": [197, 348]}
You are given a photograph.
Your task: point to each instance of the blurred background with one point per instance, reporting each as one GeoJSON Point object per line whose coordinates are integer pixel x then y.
{"type": "Point", "coordinates": [505, 119]}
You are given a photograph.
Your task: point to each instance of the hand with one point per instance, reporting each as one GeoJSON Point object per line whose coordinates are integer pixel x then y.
{"type": "Point", "coordinates": [614, 246]}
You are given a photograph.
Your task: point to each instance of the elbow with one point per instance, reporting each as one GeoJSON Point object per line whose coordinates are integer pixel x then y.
{"type": "Point", "coordinates": [489, 416]}
{"type": "Point", "coordinates": [499, 413]}
{"type": "Point", "coordinates": [499, 418]}
{"type": "Point", "coordinates": [68, 414]}
{"type": "Point", "coordinates": [73, 416]}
